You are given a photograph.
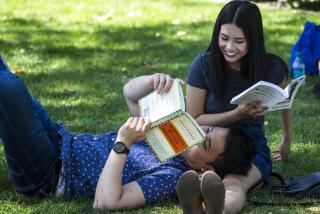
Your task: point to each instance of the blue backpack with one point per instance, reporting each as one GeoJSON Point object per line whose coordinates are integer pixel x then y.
{"type": "Point", "coordinates": [3, 65]}
{"type": "Point", "coordinates": [308, 45]}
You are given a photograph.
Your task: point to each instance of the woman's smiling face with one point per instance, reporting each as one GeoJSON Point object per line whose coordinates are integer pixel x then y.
{"type": "Point", "coordinates": [232, 44]}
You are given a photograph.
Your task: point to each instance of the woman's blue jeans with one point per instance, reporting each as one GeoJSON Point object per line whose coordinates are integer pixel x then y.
{"type": "Point", "coordinates": [30, 138]}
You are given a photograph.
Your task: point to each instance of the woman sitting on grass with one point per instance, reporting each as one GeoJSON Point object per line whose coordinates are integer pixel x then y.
{"type": "Point", "coordinates": [119, 170]}
{"type": "Point", "coordinates": [236, 59]}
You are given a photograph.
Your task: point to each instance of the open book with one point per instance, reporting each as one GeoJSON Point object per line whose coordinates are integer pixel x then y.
{"type": "Point", "coordinates": [172, 129]}
{"type": "Point", "coordinates": [271, 95]}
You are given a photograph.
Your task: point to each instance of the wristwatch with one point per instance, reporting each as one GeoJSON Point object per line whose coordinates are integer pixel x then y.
{"type": "Point", "coordinates": [120, 148]}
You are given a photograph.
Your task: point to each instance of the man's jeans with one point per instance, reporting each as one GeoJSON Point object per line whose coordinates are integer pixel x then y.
{"type": "Point", "coordinates": [30, 138]}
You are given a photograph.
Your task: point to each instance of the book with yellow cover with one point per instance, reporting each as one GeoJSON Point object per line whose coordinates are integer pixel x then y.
{"type": "Point", "coordinates": [172, 129]}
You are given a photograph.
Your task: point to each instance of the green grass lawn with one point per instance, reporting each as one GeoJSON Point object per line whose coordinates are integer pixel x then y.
{"type": "Point", "coordinates": [76, 63]}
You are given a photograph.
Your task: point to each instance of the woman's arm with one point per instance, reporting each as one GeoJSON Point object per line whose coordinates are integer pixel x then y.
{"type": "Point", "coordinates": [283, 150]}
{"type": "Point", "coordinates": [195, 102]}
{"type": "Point", "coordinates": [110, 194]}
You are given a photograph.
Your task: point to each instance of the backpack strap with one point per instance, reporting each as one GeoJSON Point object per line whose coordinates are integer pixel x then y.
{"type": "Point", "coordinates": [270, 182]}
{"type": "Point", "coordinates": [278, 176]}
{"type": "Point", "coordinates": [279, 204]}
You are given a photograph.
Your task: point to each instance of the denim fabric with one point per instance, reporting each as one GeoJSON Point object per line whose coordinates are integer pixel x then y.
{"type": "Point", "coordinates": [30, 138]}
{"type": "Point", "coordinates": [262, 160]}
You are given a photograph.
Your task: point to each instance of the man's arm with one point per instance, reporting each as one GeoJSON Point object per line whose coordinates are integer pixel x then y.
{"type": "Point", "coordinates": [143, 85]}
{"type": "Point", "coordinates": [110, 194]}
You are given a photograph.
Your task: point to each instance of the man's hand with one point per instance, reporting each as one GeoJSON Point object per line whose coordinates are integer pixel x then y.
{"type": "Point", "coordinates": [252, 109]}
{"type": "Point", "coordinates": [162, 82]}
{"type": "Point", "coordinates": [139, 87]}
{"type": "Point", "coordinates": [134, 129]}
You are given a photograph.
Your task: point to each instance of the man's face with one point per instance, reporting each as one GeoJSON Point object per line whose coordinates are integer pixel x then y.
{"type": "Point", "coordinates": [200, 155]}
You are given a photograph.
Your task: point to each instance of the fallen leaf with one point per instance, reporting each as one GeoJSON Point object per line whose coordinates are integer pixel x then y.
{"type": "Point", "coordinates": [102, 18]}
{"type": "Point", "coordinates": [68, 91]}
{"type": "Point", "coordinates": [181, 33]}
{"type": "Point", "coordinates": [150, 67]}
{"type": "Point", "coordinates": [175, 22]}
{"type": "Point", "coordinates": [17, 70]}
{"type": "Point", "coordinates": [313, 209]}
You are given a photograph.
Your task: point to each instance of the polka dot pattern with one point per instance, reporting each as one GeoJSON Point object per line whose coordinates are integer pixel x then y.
{"type": "Point", "coordinates": [84, 156]}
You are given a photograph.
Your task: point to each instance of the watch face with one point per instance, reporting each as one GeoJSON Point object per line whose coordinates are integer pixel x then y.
{"type": "Point", "coordinates": [119, 147]}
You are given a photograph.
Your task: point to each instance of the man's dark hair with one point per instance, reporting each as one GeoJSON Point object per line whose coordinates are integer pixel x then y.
{"type": "Point", "coordinates": [239, 151]}
{"type": "Point", "coordinates": [246, 16]}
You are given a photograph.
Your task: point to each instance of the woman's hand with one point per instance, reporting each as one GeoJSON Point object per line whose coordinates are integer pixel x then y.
{"type": "Point", "coordinates": [252, 109]}
{"type": "Point", "coordinates": [282, 152]}
{"type": "Point", "coordinates": [133, 130]}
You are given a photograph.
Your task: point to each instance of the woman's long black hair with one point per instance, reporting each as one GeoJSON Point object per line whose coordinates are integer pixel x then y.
{"type": "Point", "coordinates": [246, 16]}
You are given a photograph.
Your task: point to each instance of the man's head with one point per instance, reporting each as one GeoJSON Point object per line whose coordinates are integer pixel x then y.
{"type": "Point", "coordinates": [225, 150]}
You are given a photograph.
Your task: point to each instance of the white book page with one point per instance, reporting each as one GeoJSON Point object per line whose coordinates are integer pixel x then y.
{"type": "Point", "coordinates": [291, 91]}
{"type": "Point", "coordinates": [281, 105]}
{"type": "Point", "coordinates": [293, 87]}
{"type": "Point", "coordinates": [166, 118]}
{"type": "Point", "coordinates": [156, 106]}
{"type": "Point", "coordinates": [268, 93]}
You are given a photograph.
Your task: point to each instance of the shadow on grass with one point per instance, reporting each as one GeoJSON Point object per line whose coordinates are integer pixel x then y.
{"type": "Point", "coordinates": [120, 51]}
{"type": "Point", "coordinates": [97, 68]}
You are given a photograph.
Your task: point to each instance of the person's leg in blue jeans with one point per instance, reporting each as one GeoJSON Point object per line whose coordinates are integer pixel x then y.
{"type": "Point", "coordinates": [30, 138]}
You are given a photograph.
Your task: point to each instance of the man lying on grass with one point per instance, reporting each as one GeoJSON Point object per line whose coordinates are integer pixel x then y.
{"type": "Point", "coordinates": [119, 170]}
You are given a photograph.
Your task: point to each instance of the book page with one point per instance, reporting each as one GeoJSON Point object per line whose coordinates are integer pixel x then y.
{"type": "Point", "coordinates": [281, 105]}
{"type": "Point", "coordinates": [156, 106]}
{"type": "Point", "coordinates": [268, 93]}
{"type": "Point", "coordinates": [291, 90]}
{"type": "Point", "coordinates": [293, 87]}
{"type": "Point", "coordinates": [172, 137]}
